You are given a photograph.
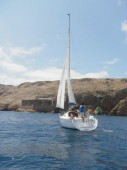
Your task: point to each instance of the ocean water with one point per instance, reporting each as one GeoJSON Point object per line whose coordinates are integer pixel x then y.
{"type": "Point", "coordinates": [31, 141]}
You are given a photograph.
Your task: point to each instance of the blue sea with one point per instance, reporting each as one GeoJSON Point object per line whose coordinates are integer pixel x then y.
{"type": "Point", "coordinates": [31, 141]}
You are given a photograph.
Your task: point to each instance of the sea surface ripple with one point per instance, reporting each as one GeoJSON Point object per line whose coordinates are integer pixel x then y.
{"type": "Point", "coordinates": [37, 141]}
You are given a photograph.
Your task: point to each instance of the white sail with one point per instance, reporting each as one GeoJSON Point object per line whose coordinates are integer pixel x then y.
{"type": "Point", "coordinates": [61, 90]}
{"type": "Point", "coordinates": [71, 97]}
{"type": "Point", "coordinates": [70, 94]}
{"type": "Point", "coordinates": [65, 76]}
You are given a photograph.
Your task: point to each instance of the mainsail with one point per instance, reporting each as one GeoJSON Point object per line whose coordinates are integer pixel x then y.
{"type": "Point", "coordinates": [66, 76]}
{"type": "Point", "coordinates": [71, 97]}
{"type": "Point", "coordinates": [61, 90]}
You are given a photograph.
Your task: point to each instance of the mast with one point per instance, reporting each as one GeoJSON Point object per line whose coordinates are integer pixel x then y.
{"type": "Point", "coordinates": [69, 44]}
{"type": "Point", "coordinates": [70, 91]}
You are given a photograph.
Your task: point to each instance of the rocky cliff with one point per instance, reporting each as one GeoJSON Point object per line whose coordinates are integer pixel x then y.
{"type": "Point", "coordinates": [109, 94]}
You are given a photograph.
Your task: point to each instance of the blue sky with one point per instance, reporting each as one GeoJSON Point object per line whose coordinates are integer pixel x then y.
{"type": "Point", "coordinates": [33, 39]}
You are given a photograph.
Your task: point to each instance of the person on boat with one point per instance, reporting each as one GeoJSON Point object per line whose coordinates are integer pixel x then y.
{"type": "Point", "coordinates": [75, 108]}
{"type": "Point", "coordinates": [82, 111]}
{"type": "Point", "coordinates": [98, 110]}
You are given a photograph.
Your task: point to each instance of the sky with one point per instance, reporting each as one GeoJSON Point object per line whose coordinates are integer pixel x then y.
{"type": "Point", "coordinates": [33, 39]}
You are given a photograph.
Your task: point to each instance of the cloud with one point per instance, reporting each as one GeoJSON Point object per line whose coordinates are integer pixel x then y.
{"type": "Point", "coordinates": [19, 51]}
{"type": "Point", "coordinates": [47, 74]}
{"type": "Point", "coordinates": [7, 79]}
{"type": "Point", "coordinates": [50, 74]}
{"type": "Point", "coordinates": [124, 29]}
{"type": "Point", "coordinates": [8, 65]}
{"type": "Point", "coordinates": [115, 60]}
{"type": "Point", "coordinates": [13, 72]}
{"type": "Point", "coordinates": [101, 74]}
{"type": "Point", "coordinates": [124, 26]}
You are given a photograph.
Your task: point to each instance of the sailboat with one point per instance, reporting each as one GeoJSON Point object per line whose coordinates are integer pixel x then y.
{"type": "Point", "coordinates": [71, 119]}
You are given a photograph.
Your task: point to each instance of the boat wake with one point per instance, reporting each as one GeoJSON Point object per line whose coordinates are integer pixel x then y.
{"type": "Point", "coordinates": [107, 130]}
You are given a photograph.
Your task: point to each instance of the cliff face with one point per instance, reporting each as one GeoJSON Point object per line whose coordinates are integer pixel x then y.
{"type": "Point", "coordinates": [109, 94]}
{"type": "Point", "coordinates": [120, 108]}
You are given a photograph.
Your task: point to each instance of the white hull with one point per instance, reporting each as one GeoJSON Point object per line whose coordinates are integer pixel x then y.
{"type": "Point", "coordinates": [90, 122]}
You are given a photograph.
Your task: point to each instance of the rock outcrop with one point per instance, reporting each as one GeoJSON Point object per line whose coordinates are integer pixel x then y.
{"type": "Point", "coordinates": [120, 108]}
{"type": "Point", "coordinates": [109, 94]}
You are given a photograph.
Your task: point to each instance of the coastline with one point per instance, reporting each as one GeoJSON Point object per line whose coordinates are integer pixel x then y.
{"type": "Point", "coordinates": [109, 94]}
